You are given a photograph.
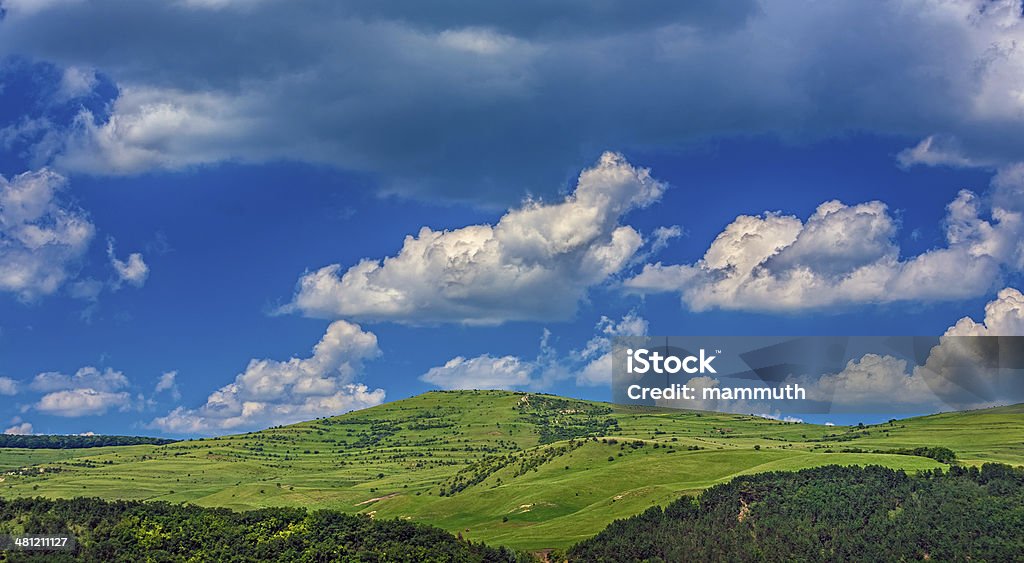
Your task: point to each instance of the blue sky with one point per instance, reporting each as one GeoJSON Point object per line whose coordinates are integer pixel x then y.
{"type": "Point", "coordinates": [180, 202]}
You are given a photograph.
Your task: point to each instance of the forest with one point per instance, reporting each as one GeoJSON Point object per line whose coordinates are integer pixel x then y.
{"type": "Point", "coordinates": [160, 531]}
{"type": "Point", "coordinates": [830, 513]}
{"type": "Point", "coordinates": [68, 441]}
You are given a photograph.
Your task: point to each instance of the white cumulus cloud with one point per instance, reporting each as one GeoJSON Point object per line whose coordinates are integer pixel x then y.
{"type": "Point", "coordinates": [966, 371]}
{"type": "Point", "coordinates": [1004, 316]}
{"type": "Point", "coordinates": [871, 381]}
{"type": "Point", "coordinates": [41, 238]}
{"type": "Point", "coordinates": [82, 402]}
{"type": "Point", "coordinates": [271, 392]}
{"type": "Point", "coordinates": [89, 391]}
{"type": "Point", "coordinates": [842, 254]}
{"type": "Point", "coordinates": [483, 372]}
{"type": "Point", "coordinates": [536, 263]}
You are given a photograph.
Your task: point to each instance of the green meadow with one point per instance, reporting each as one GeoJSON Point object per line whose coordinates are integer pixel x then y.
{"type": "Point", "coordinates": [530, 471]}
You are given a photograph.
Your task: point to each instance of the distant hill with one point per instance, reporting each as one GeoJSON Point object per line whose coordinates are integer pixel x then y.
{"type": "Point", "coordinates": [520, 469]}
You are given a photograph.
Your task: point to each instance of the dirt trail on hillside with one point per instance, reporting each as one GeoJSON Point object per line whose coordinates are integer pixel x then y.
{"type": "Point", "coordinates": [375, 499]}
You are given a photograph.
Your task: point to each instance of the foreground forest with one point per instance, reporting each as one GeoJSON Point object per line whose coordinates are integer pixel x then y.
{"type": "Point", "coordinates": [830, 514]}
{"type": "Point", "coordinates": [158, 531]}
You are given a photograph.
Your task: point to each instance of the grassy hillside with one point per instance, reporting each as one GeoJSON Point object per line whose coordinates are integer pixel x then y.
{"type": "Point", "coordinates": [525, 470]}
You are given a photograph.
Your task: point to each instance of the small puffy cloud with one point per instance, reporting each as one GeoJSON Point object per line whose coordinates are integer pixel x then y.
{"type": "Point", "coordinates": [536, 263]}
{"type": "Point", "coordinates": [88, 392]}
{"type": "Point", "coordinates": [937, 150]}
{"type": "Point", "coordinates": [271, 392]}
{"type": "Point", "coordinates": [842, 254]}
{"type": "Point", "coordinates": [41, 238]}
{"type": "Point", "coordinates": [168, 383]}
{"type": "Point", "coordinates": [133, 271]}
{"type": "Point", "coordinates": [482, 372]}
{"type": "Point", "coordinates": [23, 429]}
{"type": "Point", "coordinates": [505, 372]}
{"type": "Point", "coordinates": [82, 402]}
{"type": "Point", "coordinates": [8, 386]}
{"type": "Point", "coordinates": [86, 377]}
{"type": "Point", "coordinates": [662, 236]}
{"type": "Point", "coordinates": [590, 365]}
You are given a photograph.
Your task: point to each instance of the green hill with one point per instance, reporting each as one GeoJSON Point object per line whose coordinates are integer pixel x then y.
{"type": "Point", "coordinates": [526, 470]}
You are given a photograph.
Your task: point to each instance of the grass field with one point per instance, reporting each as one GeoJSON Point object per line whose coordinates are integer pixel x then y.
{"type": "Point", "coordinates": [507, 468]}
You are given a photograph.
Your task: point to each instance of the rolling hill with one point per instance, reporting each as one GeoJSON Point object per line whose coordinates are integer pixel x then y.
{"type": "Point", "coordinates": [529, 471]}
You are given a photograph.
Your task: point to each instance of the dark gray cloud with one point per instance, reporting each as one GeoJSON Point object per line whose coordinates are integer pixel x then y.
{"type": "Point", "coordinates": [484, 101]}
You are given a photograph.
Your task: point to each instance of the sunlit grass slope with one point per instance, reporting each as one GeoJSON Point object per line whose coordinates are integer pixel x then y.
{"type": "Point", "coordinates": [526, 470]}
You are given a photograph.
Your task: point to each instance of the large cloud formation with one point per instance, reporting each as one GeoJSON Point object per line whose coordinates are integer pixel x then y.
{"type": "Point", "coordinates": [469, 93]}
{"type": "Point", "coordinates": [42, 238]}
{"type": "Point", "coordinates": [271, 392]}
{"type": "Point", "coordinates": [536, 263]}
{"type": "Point", "coordinates": [846, 254]}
